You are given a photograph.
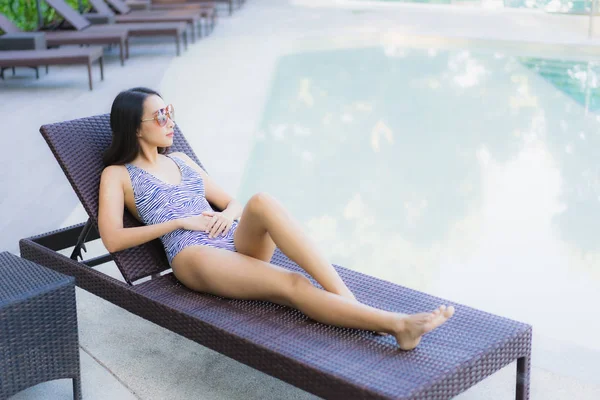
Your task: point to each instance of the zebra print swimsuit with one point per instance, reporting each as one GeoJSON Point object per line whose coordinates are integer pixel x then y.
{"type": "Point", "coordinates": [157, 201]}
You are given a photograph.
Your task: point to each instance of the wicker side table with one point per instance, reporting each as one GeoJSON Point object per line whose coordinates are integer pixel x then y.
{"type": "Point", "coordinates": [38, 326]}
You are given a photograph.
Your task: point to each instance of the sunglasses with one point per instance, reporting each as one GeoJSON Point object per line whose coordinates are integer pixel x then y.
{"type": "Point", "coordinates": [162, 116]}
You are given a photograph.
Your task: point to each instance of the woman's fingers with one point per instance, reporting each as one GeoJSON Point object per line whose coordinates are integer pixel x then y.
{"type": "Point", "coordinates": [215, 228]}
{"type": "Point", "coordinates": [226, 228]}
{"type": "Point", "coordinates": [211, 223]}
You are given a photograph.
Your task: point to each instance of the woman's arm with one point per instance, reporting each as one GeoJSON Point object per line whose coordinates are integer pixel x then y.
{"type": "Point", "coordinates": [213, 192]}
{"type": "Point", "coordinates": [110, 216]}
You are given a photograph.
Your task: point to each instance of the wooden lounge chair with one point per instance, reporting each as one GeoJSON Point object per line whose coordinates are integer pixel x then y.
{"type": "Point", "coordinates": [177, 30]}
{"type": "Point", "coordinates": [60, 38]}
{"type": "Point", "coordinates": [230, 3]}
{"type": "Point", "coordinates": [328, 361]}
{"type": "Point", "coordinates": [207, 10]}
{"type": "Point", "coordinates": [64, 56]}
{"type": "Point", "coordinates": [153, 5]}
{"type": "Point", "coordinates": [193, 19]}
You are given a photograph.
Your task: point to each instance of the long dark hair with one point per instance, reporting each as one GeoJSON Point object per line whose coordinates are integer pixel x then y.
{"type": "Point", "coordinates": [125, 121]}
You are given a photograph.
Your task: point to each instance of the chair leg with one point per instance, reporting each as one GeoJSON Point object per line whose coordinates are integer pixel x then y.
{"type": "Point", "coordinates": [37, 73]}
{"type": "Point", "coordinates": [77, 388]}
{"type": "Point", "coordinates": [177, 45]}
{"type": "Point", "coordinates": [46, 70]}
{"type": "Point", "coordinates": [127, 48]}
{"type": "Point", "coordinates": [89, 66]}
{"type": "Point", "coordinates": [121, 54]}
{"type": "Point", "coordinates": [101, 62]}
{"type": "Point", "coordinates": [523, 374]}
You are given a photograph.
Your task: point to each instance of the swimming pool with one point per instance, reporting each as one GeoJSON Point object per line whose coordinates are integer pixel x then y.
{"type": "Point", "coordinates": [470, 175]}
{"type": "Point", "coordinates": [562, 6]}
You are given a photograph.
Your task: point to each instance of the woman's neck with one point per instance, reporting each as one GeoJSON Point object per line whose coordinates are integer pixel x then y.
{"type": "Point", "coordinates": [148, 155]}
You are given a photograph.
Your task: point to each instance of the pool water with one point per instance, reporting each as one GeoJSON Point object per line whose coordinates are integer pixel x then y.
{"type": "Point", "coordinates": [579, 80]}
{"type": "Point", "coordinates": [562, 6]}
{"type": "Point", "coordinates": [469, 175]}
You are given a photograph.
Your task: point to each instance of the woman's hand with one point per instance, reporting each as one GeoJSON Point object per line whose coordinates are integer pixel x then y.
{"type": "Point", "coordinates": [196, 223]}
{"type": "Point", "coordinates": [219, 223]}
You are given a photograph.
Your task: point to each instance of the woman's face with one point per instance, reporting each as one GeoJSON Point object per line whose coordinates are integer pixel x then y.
{"type": "Point", "coordinates": [150, 130]}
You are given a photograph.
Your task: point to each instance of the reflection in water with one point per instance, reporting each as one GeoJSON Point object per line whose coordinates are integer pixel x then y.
{"type": "Point", "coordinates": [464, 175]}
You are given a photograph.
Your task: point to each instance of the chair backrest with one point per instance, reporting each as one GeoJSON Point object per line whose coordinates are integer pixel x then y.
{"type": "Point", "coordinates": [101, 7]}
{"type": "Point", "coordinates": [69, 14]}
{"type": "Point", "coordinates": [120, 6]}
{"type": "Point", "coordinates": [7, 26]}
{"type": "Point", "coordinates": [78, 146]}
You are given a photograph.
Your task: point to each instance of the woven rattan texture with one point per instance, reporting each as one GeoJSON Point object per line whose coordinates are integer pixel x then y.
{"type": "Point", "coordinates": [20, 278]}
{"type": "Point", "coordinates": [324, 360]}
{"type": "Point", "coordinates": [78, 146]}
{"type": "Point", "coordinates": [38, 326]}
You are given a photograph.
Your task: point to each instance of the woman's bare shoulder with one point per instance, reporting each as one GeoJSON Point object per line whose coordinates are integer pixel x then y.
{"type": "Point", "coordinates": [114, 173]}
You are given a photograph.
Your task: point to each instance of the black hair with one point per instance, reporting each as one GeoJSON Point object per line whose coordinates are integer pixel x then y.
{"type": "Point", "coordinates": [125, 121]}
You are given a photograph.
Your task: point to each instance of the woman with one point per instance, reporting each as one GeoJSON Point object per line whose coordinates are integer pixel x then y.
{"type": "Point", "coordinates": [225, 253]}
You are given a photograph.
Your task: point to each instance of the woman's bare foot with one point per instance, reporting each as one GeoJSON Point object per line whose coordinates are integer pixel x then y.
{"type": "Point", "coordinates": [411, 328]}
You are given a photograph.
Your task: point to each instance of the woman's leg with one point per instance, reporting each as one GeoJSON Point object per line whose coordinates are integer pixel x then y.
{"type": "Point", "coordinates": [233, 275]}
{"type": "Point", "coordinates": [265, 223]}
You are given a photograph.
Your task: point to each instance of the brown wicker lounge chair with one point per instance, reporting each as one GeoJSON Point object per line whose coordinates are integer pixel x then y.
{"type": "Point", "coordinates": [177, 30]}
{"type": "Point", "coordinates": [330, 362]}
{"type": "Point", "coordinates": [193, 18]}
{"type": "Point", "coordinates": [65, 56]}
{"type": "Point", "coordinates": [61, 38]}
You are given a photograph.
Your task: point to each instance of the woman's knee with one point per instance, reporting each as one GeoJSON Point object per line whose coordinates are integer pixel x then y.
{"type": "Point", "coordinates": [297, 283]}
{"type": "Point", "coordinates": [259, 202]}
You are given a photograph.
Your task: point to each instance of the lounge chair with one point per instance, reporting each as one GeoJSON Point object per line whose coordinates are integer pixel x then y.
{"type": "Point", "coordinates": [177, 30]}
{"type": "Point", "coordinates": [205, 10]}
{"type": "Point", "coordinates": [61, 38]}
{"type": "Point", "coordinates": [230, 3]}
{"type": "Point", "coordinates": [328, 361]}
{"type": "Point", "coordinates": [65, 56]}
{"type": "Point", "coordinates": [193, 19]}
{"type": "Point", "coordinates": [208, 10]}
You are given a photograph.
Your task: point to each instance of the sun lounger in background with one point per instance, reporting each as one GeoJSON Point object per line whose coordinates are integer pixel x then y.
{"type": "Point", "coordinates": [64, 56]}
{"type": "Point", "coordinates": [177, 30]}
{"type": "Point", "coordinates": [60, 38]}
{"type": "Point", "coordinates": [193, 19]}
{"type": "Point", "coordinates": [207, 11]}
